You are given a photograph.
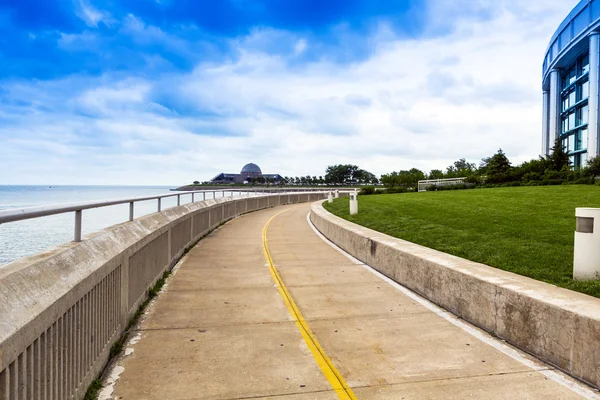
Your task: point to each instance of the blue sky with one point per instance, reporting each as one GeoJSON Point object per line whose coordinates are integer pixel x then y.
{"type": "Point", "coordinates": [169, 91]}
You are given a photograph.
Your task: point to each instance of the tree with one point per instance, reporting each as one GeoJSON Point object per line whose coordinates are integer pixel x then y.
{"type": "Point", "coordinates": [496, 167]}
{"type": "Point", "coordinates": [406, 179]}
{"type": "Point", "coordinates": [593, 166]}
{"type": "Point", "coordinates": [559, 158]}
{"type": "Point", "coordinates": [196, 183]}
{"type": "Point", "coordinates": [436, 174]}
{"type": "Point", "coordinates": [460, 168]}
{"type": "Point", "coordinates": [342, 174]}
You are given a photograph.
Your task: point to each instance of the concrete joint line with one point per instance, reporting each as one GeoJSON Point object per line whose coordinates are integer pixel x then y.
{"type": "Point", "coordinates": [537, 365]}
{"type": "Point", "coordinates": [333, 376]}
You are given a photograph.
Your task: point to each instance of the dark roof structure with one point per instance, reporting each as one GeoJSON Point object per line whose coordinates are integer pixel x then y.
{"type": "Point", "coordinates": [251, 169]}
{"type": "Point", "coordinates": [250, 172]}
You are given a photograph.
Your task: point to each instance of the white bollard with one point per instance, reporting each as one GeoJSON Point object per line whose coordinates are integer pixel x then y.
{"type": "Point", "coordinates": [337, 194]}
{"type": "Point", "coordinates": [330, 197]}
{"type": "Point", "coordinates": [586, 260]}
{"type": "Point", "coordinates": [353, 203]}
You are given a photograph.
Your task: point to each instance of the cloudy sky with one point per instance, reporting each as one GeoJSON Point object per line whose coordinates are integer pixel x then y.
{"type": "Point", "coordinates": [171, 91]}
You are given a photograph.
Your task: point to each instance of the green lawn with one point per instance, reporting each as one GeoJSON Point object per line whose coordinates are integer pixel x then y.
{"type": "Point", "coordinates": [526, 230]}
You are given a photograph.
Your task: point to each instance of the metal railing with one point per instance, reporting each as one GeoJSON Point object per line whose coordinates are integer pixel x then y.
{"type": "Point", "coordinates": [20, 214]}
{"type": "Point", "coordinates": [424, 184]}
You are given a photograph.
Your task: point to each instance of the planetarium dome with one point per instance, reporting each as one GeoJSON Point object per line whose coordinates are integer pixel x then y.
{"type": "Point", "coordinates": [251, 169]}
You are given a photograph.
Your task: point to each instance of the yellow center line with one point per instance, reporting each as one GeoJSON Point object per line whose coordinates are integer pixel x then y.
{"type": "Point", "coordinates": [334, 377]}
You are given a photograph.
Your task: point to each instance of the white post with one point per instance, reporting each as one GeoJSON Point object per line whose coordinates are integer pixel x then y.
{"type": "Point", "coordinates": [353, 203]}
{"type": "Point", "coordinates": [330, 197]}
{"type": "Point", "coordinates": [131, 211]}
{"type": "Point", "coordinates": [337, 194]}
{"type": "Point", "coordinates": [192, 197]}
{"type": "Point", "coordinates": [586, 260]}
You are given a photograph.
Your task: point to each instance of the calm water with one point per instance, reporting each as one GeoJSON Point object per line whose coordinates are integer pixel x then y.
{"type": "Point", "coordinates": [25, 238]}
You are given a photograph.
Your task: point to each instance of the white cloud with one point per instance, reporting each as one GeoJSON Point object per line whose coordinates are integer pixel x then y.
{"type": "Point", "coordinates": [413, 103]}
{"type": "Point", "coordinates": [300, 46]}
{"type": "Point", "coordinates": [91, 15]}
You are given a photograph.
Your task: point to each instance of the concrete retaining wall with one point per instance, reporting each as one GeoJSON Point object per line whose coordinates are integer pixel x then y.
{"type": "Point", "coordinates": [61, 311]}
{"type": "Point", "coordinates": [557, 325]}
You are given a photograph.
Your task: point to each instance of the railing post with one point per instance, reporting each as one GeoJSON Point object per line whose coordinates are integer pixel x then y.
{"type": "Point", "coordinates": [192, 197]}
{"type": "Point", "coordinates": [131, 211]}
{"type": "Point", "coordinates": [178, 199]}
{"type": "Point", "coordinates": [77, 233]}
{"type": "Point", "coordinates": [203, 195]}
{"type": "Point", "coordinates": [159, 204]}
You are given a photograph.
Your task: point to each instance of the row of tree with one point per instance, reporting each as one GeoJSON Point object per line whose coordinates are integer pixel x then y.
{"type": "Point", "coordinates": [498, 170]}
{"type": "Point", "coordinates": [339, 174]}
{"type": "Point", "coordinates": [494, 170]}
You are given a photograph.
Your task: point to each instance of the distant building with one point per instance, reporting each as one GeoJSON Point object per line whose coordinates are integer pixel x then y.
{"type": "Point", "coordinates": [571, 83]}
{"type": "Point", "coordinates": [250, 173]}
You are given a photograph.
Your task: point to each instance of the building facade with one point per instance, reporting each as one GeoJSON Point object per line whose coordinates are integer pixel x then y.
{"type": "Point", "coordinates": [249, 173]}
{"type": "Point", "coordinates": [570, 81]}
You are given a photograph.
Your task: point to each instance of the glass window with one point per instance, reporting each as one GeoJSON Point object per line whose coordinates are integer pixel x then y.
{"type": "Point", "coordinates": [571, 144]}
{"type": "Point", "coordinates": [583, 139]}
{"type": "Point", "coordinates": [565, 143]}
{"type": "Point", "coordinates": [572, 98]}
{"type": "Point", "coordinates": [585, 90]}
{"type": "Point", "coordinates": [580, 22]}
{"type": "Point", "coordinates": [595, 10]}
{"type": "Point", "coordinates": [583, 115]}
{"type": "Point", "coordinates": [555, 49]}
{"type": "Point", "coordinates": [578, 141]}
{"type": "Point", "coordinates": [572, 120]}
{"type": "Point", "coordinates": [585, 65]}
{"type": "Point", "coordinates": [565, 103]}
{"type": "Point", "coordinates": [565, 37]}
{"type": "Point", "coordinates": [584, 158]}
{"type": "Point", "coordinates": [572, 160]}
{"type": "Point", "coordinates": [572, 75]}
{"type": "Point", "coordinates": [565, 124]}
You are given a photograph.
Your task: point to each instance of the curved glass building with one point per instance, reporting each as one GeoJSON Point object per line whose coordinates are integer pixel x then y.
{"type": "Point", "coordinates": [570, 84]}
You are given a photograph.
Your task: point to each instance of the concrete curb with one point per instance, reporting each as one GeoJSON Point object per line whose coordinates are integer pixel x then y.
{"type": "Point", "coordinates": [557, 325]}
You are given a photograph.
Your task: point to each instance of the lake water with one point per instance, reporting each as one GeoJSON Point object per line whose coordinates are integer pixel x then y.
{"type": "Point", "coordinates": [29, 237]}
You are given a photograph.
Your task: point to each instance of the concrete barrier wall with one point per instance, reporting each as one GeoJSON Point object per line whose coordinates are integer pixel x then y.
{"type": "Point", "coordinates": [557, 325]}
{"type": "Point", "coordinates": [61, 311]}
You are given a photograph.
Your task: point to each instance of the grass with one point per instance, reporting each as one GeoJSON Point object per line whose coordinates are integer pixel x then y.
{"type": "Point", "coordinates": [526, 230]}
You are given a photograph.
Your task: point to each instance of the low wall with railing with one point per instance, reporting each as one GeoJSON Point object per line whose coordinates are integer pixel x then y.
{"type": "Point", "coordinates": [557, 325]}
{"type": "Point", "coordinates": [61, 311]}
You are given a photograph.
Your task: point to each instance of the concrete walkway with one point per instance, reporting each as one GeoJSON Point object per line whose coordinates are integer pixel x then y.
{"type": "Point", "coordinates": [220, 329]}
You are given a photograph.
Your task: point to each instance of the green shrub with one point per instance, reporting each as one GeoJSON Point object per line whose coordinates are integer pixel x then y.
{"type": "Point", "coordinates": [366, 190]}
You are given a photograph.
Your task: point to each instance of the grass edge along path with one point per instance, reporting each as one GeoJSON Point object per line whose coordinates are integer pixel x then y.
{"type": "Point", "coordinates": [525, 230]}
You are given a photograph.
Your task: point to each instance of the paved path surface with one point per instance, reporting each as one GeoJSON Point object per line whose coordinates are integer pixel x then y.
{"type": "Point", "coordinates": [221, 330]}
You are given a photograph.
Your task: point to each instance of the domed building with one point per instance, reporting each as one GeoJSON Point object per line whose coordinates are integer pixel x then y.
{"type": "Point", "coordinates": [250, 173]}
